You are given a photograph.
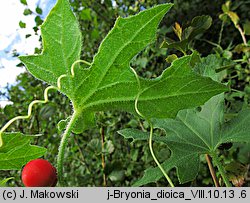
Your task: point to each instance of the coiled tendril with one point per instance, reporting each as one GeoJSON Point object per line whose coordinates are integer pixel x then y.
{"type": "Point", "coordinates": [151, 131]}
{"type": "Point", "coordinates": [45, 100]}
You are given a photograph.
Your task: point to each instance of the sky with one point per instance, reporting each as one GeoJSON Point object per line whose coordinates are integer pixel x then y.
{"type": "Point", "coordinates": [12, 37]}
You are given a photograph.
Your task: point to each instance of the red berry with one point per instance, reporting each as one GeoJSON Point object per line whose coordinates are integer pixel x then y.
{"type": "Point", "coordinates": [39, 173]}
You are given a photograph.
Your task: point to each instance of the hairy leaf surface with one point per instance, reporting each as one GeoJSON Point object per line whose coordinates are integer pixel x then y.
{"type": "Point", "coordinates": [109, 83]}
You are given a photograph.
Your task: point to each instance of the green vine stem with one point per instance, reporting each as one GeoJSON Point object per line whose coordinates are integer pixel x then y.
{"type": "Point", "coordinates": [221, 169]}
{"type": "Point", "coordinates": [151, 132]}
{"type": "Point", "coordinates": [62, 147]}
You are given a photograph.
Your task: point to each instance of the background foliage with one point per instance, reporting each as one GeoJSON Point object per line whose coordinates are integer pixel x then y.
{"type": "Point", "coordinates": [102, 157]}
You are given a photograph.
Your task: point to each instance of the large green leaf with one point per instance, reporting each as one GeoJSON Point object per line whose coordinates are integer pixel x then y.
{"type": "Point", "coordinates": [17, 151]}
{"type": "Point", "coordinates": [61, 45]}
{"type": "Point", "coordinates": [193, 133]}
{"type": "Point", "coordinates": [109, 83]}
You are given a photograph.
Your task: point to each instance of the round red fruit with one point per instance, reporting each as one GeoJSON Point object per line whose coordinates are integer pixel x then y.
{"type": "Point", "coordinates": [39, 173]}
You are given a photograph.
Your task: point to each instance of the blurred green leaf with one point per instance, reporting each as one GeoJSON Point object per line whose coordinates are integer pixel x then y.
{"type": "Point", "coordinates": [39, 10]}
{"type": "Point", "coordinates": [171, 58]}
{"type": "Point", "coordinates": [108, 147]}
{"type": "Point", "coordinates": [116, 176]}
{"type": "Point", "coordinates": [23, 2]}
{"type": "Point", "coordinates": [246, 27]}
{"type": "Point", "coordinates": [95, 34]}
{"type": "Point", "coordinates": [38, 20]}
{"type": "Point", "coordinates": [226, 7]}
{"type": "Point", "coordinates": [47, 111]}
{"type": "Point", "coordinates": [234, 17]}
{"type": "Point", "coordinates": [198, 25]}
{"type": "Point", "coordinates": [86, 14]}
{"type": "Point", "coordinates": [27, 11]}
{"type": "Point", "coordinates": [95, 146]}
{"type": "Point", "coordinates": [236, 173]}
{"type": "Point", "coordinates": [22, 24]}
{"type": "Point", "coordinates": [242, 48]}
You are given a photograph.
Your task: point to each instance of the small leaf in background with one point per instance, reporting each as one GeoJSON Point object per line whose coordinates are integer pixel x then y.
{"type": "Point", "coordinates": [234, 17]}
{"type": "Point", "coordinates": [171, 58]}
{"type": "Point", "coordinates": [38, 20]}
{"type": "Point", "coordinates": [236, 173]}
{"type": "Point", "coordinates": [213, 66]}
{"type": "Point", "coordinates": [198, 25]}
{"type": "Point", "coordinates": [108, 147]}
{"type": "Point", "coordinates": [17, 151]}
{"type": "Point", "coordinates": [224, 17]}
{"type": "Point", "coordinates": [178, 45]}
{"type": "Point", "coordinates": [62, 124]}
{"type": "Point", "coordinates": [27, 12]}
{"type": "Point", "coordinates": [95, 34]}
{"type": "Point", "coordinates": [227, 12]}
{"type": "Point", "coordinates": [86, 14]}
{"type": "Point", "coordinates": [178, 30]}
{"type": "Point", "coordinates": [27, 36]}
{"type": "Point", "coordinates": [195, 58]}
{"type": "Point", "coordinates": [8, 110]}
{"type": "Point", "coordinates": [24, 2]}
{"type": "Point", "coordinates": [22, 24]}
{"type": "Point", "coordinates": [39, 11]}
{"type": "Point", "coordinates": [241, 48]}
{"type": "Point", "coordinates": [246, 27]}
{"type": "Point", "coordinates": [227, 54]}
{"type": "Point", "coordinates": [226, 7]}
{"type": "Point", "coordinates": [95, 146]}
{"type": "Point", "coordinates": [141, 62]}
{"type": "Point", "coordinates": [117, 175]}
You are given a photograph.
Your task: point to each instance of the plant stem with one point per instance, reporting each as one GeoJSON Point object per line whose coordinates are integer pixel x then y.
{"type": "Point", "coordinates": [103, 157]}
{"type": "Point", "coordinates": [221, 31]}
{"type": "Point", "coordinates": [212, 171]}
{"type": "Point", "coordinates": [155, 159]}
{"type": "Point", "coordinates": [221, 169]}
{"type": "Point", "coordinates": [242, 34]}
{"type": "Point", "coordinates": [62, 147]}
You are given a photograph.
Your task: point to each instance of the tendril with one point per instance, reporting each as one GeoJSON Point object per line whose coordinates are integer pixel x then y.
{"type": "Point", "coordinates": [76, 62]}
{"type": "Point", "coordinates": [29, 111]}
{"type": "Point", "coordinates": [45, 100]}
{"type": "Point", "coordinates": [151, 131]}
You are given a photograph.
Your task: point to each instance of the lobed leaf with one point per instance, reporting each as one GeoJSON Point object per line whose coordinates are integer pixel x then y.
{"type": "Point", "coordinates": [61, 45]}
{"type": "Point", "coordinates": [109, 83]}
{"type": "Point", "coordinates": [192, 134]}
